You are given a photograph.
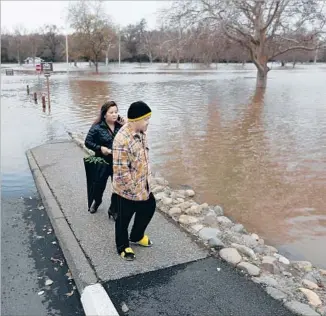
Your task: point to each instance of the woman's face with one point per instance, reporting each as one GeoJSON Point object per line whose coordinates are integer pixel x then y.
{"type": "Point", "coordinates": [111, 115]}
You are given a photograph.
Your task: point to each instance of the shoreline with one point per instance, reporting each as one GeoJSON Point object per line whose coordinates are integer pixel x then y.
{"type": "Point", "coordinates": [299, 285]}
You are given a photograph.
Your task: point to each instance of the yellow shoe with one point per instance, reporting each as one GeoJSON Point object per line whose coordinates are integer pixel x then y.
{"type": "Point", "coordinates": [128, 254]}
{"type": "Point", "coordinates": [145, 242]}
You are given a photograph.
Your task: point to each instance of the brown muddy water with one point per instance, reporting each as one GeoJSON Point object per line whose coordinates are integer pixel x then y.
{"type": "Point", "coordinates": [261, 156]}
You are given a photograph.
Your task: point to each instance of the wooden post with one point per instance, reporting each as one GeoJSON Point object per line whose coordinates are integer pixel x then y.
{"type": "Point", "coordinates": [48, 86]}
{"type": "Point", "coordinates": [43, 103]}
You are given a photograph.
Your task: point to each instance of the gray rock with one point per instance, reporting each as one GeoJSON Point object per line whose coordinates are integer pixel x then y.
{"type": "Point", "coordinates": [187, 220]}
{"type": "Point", "coordinates": [309, 285]}
{"type": "Point", "coordinates": [261, 250]}
{"type": "Point", "coordinates": [322, 310]}
{"type": "Point", "coordinates": [282, 259]}
{"type": "Point", "coordinates": [230, 255]}
{"type": "Point", "coordinates": [180, 200]}
{"type": "Point", "coordinates": [275, 293]}
{"type": "Point", "coordinates": [159, 195]}
{"type": "Point", "coordinates": [249, 268]}
{"type": "Point", "coordinates": [238, 228]}
{"type": "Point", "coordinates": [196, 228]}
{"type": "Point", "coordinates": [211, 213]}
{"type": "Point", "coordinates": [194, 210]}
{"type": "Point", "coordinates": [164, 208]}
{"type": "Point", "coordinates": [265, 250]}
{"type": "Point", "coordinates": [245, 251]}
{"type": "Point", "coordinates": [210, 220]}
{"type": "Point", "coordinates": [302, 265]}
{"type": "Point", "coordinates": [204, 207]}
{"type": "Point", "coordinates": [158, 189]}
{"type": "Point", "coordinates": [190, 193]}
{"type": "Point", "coordinates": [207, 233]}
{"type": "Point", "coordinates": [184, 205]}
{"type": "Point", "coordinates": [124, 308]}
{"type": "Point", "coordinates": [300, 309]}
{"type": "Point", "coordinates": [266, 280]}
{"type": "Point", "coordinates": [255, 236]}
{"type": "Point", "coordinates": [215, 243]}
{"type": "Point", "coordinates": [269, 264]}
{"type": "Point", "coordinates": [181, 193]}
{"type": "Point", "coordinates": [218, 210]}
{"type": "Point", "coordinates": [249, 241]}
{"type": "Point", "coordinates": [174, 211]}
{"type": "Point", "coordinates": [167, 200]}
{"type": "Point", "coordinates": [311, 296]}
{"type": "Point", "coordinates": [223, 220]}
{"type": "Point", "coordinates": [312, 276]}
{"type": "Point", "coordinates": [177, 195]}
{"type": "Point", "coordinates": [271, 249]}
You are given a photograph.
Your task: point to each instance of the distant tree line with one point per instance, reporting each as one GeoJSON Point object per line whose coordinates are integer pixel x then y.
{"type": "Point", "coordinates": [202, 31]}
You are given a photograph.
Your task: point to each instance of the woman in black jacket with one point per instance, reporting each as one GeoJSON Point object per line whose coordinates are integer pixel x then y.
{"type": "Point", "coordinates": [100, 139]}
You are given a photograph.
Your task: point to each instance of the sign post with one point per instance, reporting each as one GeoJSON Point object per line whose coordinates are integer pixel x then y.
{"type": "Point", "coordinates": [47, 68]}
{"type": "Point", "coordinates": [48, 86]}
{"type": "Point", "coordinates": [38, 69]}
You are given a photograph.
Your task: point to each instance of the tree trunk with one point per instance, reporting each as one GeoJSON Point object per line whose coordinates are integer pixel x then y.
{"type": "Point", "coordinates": [169, 60]}
{"type": "Point", "coordinates": [96, 65]}
{"type": "Point", "coordinates": [283, 63]}
{"type": "Point", "coordinates": [262, 77]}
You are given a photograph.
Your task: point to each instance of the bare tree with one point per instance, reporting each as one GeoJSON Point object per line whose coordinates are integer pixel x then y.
{"type": "Point", "coordinates": [263, 27]}
{"type": "Point", "coordinates": [92, 27]}
{"type": "Point", "coordinates": [51, 40]}
{"type": "Point", "coordinates": [18, 41]}
{"type": "Point", "coordinates": [149, 41]}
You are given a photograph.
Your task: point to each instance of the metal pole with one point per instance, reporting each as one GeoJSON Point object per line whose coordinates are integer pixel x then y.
{"type": "Point", "coordinates": [67, 53]}
{"type": "Point", "coordinates": [119, 46]}
{"type": "Point", "coordinates": [48, 85]}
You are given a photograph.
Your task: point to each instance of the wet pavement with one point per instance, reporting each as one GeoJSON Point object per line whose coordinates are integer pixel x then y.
{"type": "Point", "coordinates": [193, 289]}
{"type": "Point", "coordinates": [30, 255]}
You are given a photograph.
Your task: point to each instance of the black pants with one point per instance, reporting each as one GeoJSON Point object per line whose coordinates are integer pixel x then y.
{"type": "Point", "coordinates": [100, 184]}
{"type": "Point", "coordinates": [144, 211]}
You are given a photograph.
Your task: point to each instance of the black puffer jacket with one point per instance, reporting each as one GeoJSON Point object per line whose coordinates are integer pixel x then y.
{"type": "Point", "coordinates": [101, 135]}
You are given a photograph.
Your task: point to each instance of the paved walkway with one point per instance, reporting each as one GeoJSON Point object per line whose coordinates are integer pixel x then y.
{"type": "Point", "coordinates": [62, 166]}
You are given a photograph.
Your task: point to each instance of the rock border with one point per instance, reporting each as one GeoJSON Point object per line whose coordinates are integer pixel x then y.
{"type": "Point", "coordinates": [299, 285]}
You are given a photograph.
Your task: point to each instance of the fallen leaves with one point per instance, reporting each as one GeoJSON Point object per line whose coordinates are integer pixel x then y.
{"type": "Point", "coordinates": [68, 274]}
{"type": "Point", "coordinates": [48, 282]}
{"type": "Point", "coordinates": [57, 261]}
{"type": "Point", "coordinates": [70, 293]}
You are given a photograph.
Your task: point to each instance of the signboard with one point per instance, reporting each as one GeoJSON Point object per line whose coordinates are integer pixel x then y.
{"type": "Point", "coordinates": [47, 67]}
{"type": "Point", "coordinates": [38, 68]}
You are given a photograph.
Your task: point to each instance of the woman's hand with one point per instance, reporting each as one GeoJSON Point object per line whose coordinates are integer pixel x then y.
{"type": "Point", "coordinates": [106, 151]}
{"type": "Point", "coordinates": [121, 120]}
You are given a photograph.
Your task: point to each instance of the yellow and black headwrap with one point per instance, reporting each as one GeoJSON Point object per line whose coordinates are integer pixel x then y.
{"type": "Point", "coordinates": [138, 111]}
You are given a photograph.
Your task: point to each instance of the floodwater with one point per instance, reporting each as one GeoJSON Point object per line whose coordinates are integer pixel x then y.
{"type": "Point", "coordinates": [261, 156]}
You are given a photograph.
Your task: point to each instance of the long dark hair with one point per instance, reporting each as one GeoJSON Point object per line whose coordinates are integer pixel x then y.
{"type": "Point", "coordinates": [105, 107]}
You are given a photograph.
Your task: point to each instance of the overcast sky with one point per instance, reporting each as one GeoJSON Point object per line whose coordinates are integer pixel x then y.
{"type": "Point", "coordinates": [34, 14]}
